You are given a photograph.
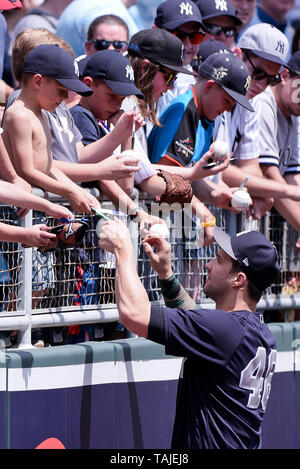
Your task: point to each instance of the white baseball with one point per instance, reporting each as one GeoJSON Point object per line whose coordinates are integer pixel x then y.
{"type": "Point", "coordinates": [130, 155]}
{"type": "Point", "coordinates": [221, 150]}
{"type": "Point", "coordinates": [160, 229]}
{"type": "Point", "coordinates": [240, 200]}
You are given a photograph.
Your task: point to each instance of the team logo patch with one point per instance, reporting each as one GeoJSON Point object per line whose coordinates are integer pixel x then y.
{"type": "Point", "coordinates": [280, 47]}
{"type": "Point", "coordinates": [247, 84]}
{"type": "Point", "coordinates": [246, 261]}
{"type": "Point", "coordinates": [182, 52]}
{"type": "Point", "coordinates": [129, 72]}
{"type": "Point", "coordinates": [185, 147]}
{"type": "Point", "coordinates": [186, 8]}
{"type": "Point", "coordinates": [221, 5]}
{"type": "Point", "coordinates": [76, 68]}
{"type": "Point", "coordinates": [219, 73]}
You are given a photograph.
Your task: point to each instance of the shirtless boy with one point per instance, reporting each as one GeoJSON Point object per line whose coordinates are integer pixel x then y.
{"type": "Point", "coordinates": [48, 73]}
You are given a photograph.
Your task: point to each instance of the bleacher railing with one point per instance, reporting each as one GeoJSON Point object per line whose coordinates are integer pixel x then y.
{"type": "Point", "coordinates": [76, 286]}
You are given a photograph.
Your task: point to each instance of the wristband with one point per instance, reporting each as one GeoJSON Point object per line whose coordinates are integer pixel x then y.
{"type": "Point", "coordinates": [209, 223]}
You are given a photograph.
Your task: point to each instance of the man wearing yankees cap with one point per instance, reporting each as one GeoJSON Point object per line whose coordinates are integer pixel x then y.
{"type": "Point", "coordinates": [229, 353]}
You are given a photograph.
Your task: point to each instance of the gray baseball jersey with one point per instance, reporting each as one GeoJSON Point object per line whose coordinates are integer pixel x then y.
{"type": "Point", "coordinates": [278, 138]}
{"type": "Point", "coordinates": [240, 129]}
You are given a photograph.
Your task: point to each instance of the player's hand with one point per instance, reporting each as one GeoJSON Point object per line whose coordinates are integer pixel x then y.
{"type": "Point", "coordinates": [145, 221]}
{"type": "Point", "coordinates": [158, 250]}
{"type": "Point", "coordinates": [114, 236]}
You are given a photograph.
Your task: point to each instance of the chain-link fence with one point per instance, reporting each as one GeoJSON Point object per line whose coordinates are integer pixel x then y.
{"type": "Point", "coordinates": [78, 285]}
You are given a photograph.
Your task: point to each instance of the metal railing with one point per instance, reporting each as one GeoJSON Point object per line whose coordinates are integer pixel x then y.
{"type": "Point", "coordinates": [76, 286]}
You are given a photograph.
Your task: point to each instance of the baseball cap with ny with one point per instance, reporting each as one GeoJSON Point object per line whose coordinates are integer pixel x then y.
{"type": "Point", "coordinates": [265, 41]}
{"type": "Point", "coordinates": [174, 13]}
{"type": "Point", "coordinates": [230, 73]}
{"type": "Point", "coordinates": [254, 252]}
{"type": "Point", "coordinates": [115, 70]}
{"type": "Point", "coordinates": [50, 60]}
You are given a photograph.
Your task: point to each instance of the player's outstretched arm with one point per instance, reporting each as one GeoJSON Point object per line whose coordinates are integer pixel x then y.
{"type": "Point", "coordinates": [132, 299]}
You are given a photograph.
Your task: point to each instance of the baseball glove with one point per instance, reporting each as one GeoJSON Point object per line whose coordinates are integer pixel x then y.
{"type": "Point", "coordinates": [68, 235]}
{"type": "Point", "coordinates": [178, 189]}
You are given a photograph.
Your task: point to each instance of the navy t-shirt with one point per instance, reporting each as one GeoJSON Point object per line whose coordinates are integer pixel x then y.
{"type": "Point", "coordinates": [87, 124]}
{"type": "Point", "coordinates": [226, 374]}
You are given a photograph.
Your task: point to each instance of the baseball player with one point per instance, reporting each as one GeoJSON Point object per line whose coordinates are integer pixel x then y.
{"type": "Point", "coordinates": [230, 354]}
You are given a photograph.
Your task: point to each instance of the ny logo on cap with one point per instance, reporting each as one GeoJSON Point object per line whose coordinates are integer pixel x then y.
{"type": "Point", "coordinates": [245, 261]}
{"type": "Point", "coordinates": [219, 73]}
{"type": "Point", "coordinates": [186, 8]}
{"type": "Point", "coordinates": [76, 68]}
{"type": "Point", "coordinates": [280, 47]}
{"type": "Point", "coordinates": [129, 72]}
{"type": "Point", "coordinates": [221, 5]}
{"type": "Point", "coordinates": [247, 84]}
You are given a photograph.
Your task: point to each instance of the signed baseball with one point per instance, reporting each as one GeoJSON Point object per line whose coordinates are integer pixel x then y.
{"type": "Point", "coordinates": [131, 156]}
{"type": "Point", "coordinates": [221, 150]}
{"type": "Point", "coordinates": [240, 200]}
{"type": "Point", "coordinates": [160, 229]}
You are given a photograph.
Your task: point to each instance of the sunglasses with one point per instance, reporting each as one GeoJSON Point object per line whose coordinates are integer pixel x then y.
{"type": "Point", "coordinates": [102, 44]}
{"type": "Point", "coordinates": [215, 29]}
{"type": "Point", "coordinates": [170, 76]}
{"type": "Point", "coordinates": [259, 74]}
{"type": "Point", "coordinates": [195, 38]}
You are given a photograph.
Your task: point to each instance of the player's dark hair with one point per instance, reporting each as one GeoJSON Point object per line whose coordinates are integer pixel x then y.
{"type": "Point", "coordinates": [254, 293]}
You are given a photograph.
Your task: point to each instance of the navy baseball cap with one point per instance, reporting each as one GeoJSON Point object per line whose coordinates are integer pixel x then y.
{"type": "Point", "coordinates": [115, 70]}
{"type": "Point", "coordinates": [212, 8]}
{"type": "Point", "coordinates": [212, 46]}
{"type": "Point", "coordinates": [254, 252]}
{"type": "Point", "coordinates": [173, 13]}
{"type": "Point", "coordinates": [9, 4]}
{"type": "Point", "coordinates": [230, 73]}
{"type": "Point", "coordinates": [52, 61]}
{"type": "Point", "coordinates": [294, 63]}
{"type": "Point", "coordinates": [265, 41]}
{"type": "Point", "coordinates": [159, 46]}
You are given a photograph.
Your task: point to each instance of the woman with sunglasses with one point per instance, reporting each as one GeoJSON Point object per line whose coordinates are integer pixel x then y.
{"type": "Point", "coordinates": [107, 32]}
